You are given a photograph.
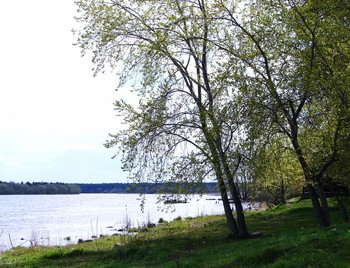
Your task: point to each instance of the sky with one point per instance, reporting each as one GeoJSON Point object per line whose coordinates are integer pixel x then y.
{"type": "Point", "coordinates": [54, 115]}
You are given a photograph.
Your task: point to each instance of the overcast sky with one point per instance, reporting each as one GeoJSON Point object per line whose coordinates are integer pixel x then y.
{"type": "Point", "coordinates": [54, 115]}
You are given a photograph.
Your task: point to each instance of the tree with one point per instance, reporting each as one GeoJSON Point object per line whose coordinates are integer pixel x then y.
{"type": "Point", "coordinates": [186, 125]}
{"type": "Point", "coordinates": [294, 79]}
{"type": "Point", "coordinates": [278, 173]}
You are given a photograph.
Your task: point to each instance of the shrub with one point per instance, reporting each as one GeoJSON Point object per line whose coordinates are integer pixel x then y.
{"type": "Point", "coordinates": [179, 218]}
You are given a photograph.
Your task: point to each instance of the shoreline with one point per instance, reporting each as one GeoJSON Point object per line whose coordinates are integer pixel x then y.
{"type": "Point", "coordinates": [44, 238]}
{"type": "Point", "coordinates": [285, 236]}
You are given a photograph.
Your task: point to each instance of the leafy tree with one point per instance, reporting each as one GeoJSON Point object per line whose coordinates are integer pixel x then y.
{"type": "Point", "coordinates": [185, 128]}
{"type": "Point", "coordinates": [293, 76]}
{"type": "Point", "coordinates": [278, 172]}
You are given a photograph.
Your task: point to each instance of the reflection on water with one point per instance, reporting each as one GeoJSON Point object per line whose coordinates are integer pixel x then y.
{"type": "Point", "coordinates": [62, 219]}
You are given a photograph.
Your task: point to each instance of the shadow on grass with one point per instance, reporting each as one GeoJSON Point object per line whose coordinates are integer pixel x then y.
{"type": "Point", "coordinates": [266, 256]}
{"type": "Point", "coordinates": [139, 252]}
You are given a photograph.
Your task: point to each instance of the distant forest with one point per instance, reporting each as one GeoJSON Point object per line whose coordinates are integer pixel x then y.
{"type": "Point", "coordinates": [11, 188]}
{"type": "Point", "coordinates": [7, 188]}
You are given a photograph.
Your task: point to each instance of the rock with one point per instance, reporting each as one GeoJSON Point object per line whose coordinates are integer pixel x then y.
{"type": "Point", "coordinates": [94, 237]}
{"type": "Point", "coordinates": [144, 230]}
{"type": "Point", "coordinates": [120, 230]}
{"type": "Point", "coordinates": [256, 235]}
{"type": "Point", "coordinates": [101, 235]}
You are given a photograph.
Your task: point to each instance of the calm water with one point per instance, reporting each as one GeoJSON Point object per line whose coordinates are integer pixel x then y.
{"type": "Point", "coordinates": [50, 219]}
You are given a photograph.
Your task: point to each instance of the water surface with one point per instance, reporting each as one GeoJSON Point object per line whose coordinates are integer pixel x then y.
{"type": "Point", "coordinates": [51, 219]}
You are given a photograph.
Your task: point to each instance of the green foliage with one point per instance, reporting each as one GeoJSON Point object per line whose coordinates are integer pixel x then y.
{"type": "Point", "coordinates": [219, 80]}
{"type": "Point", "coordinates": [278, 173]}
{"type": "Point", "coordinates": [184, 128]}
{"type": "Point", "coordinates": [294, 79]}
{"type": "Point", "coordinates": [161, 220]}
{"type": "Point", "coordinates": [179, 218]}
{"type": "Point", "coordinates": [164, 46]}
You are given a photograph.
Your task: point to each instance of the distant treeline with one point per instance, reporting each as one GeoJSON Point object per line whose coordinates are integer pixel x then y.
{"type": "Point", "coordinates": [147, 188]}
{"type": "Point", "coordinates": [7, 188]}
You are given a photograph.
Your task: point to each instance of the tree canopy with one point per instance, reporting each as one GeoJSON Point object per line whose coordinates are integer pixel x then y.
{"type": "Point", "coordinates": [296, 75]}
{"type": "Point", "coordinates": [218, 81]}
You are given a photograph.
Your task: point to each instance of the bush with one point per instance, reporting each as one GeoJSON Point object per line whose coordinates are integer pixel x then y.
{"type": "Point", "coordinates": [179, 218]}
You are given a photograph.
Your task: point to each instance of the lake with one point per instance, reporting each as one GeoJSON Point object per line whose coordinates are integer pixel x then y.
{"type": "Point", "coordinates": [62, 219]}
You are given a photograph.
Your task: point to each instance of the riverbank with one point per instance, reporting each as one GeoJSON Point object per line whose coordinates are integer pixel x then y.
{"type": "Point", "coordinates": [50, 219]}
{"type": "Point", "coordinates": [290, 238]}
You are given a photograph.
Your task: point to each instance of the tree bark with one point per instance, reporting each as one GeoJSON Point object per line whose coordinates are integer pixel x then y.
{"type": "Point", "coordinates": [342, 208]}
{"type": "Point", "coordinates": [216, 161]}
{"type": "Point", "coordinates": [321, 214]}
{"type": "Point", "coordinates": [231, 222]}
{"type": "Point", "coordinates": [322, 221]}
{"type": "Point", "coordinates": [324, 203]}
{"type": "Point", "coordinates": [242, 227]}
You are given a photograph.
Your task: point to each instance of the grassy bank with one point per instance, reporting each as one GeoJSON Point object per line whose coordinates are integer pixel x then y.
{"type": "Point", "coordinates": [291, 238]}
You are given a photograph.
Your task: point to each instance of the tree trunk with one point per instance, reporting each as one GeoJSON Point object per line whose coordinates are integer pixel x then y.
{"type": "Point", "coordinates": [342, 208]}
{"type": "Point", "coordinates": [317, 207]}
{"type": "Point", "coordinates": [231, 222]}
{"type": "Point", "coordinates": [242, 227]}
{"type": "Point", "coordinates": [282, 193]}
{"type": "Point", "coordinates": [321, 214]}
{"type": "Point", "coordinates": [324, 204]}
{"type": "Point", "coordinates": [341, 205]}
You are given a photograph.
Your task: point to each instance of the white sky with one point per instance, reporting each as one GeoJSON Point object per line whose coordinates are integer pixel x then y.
{"type": "Point", "coordinates": [54, 115]}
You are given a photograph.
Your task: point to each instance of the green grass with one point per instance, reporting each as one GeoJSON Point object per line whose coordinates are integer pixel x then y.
{"type": "Point", "coordinates": [291, 238]}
